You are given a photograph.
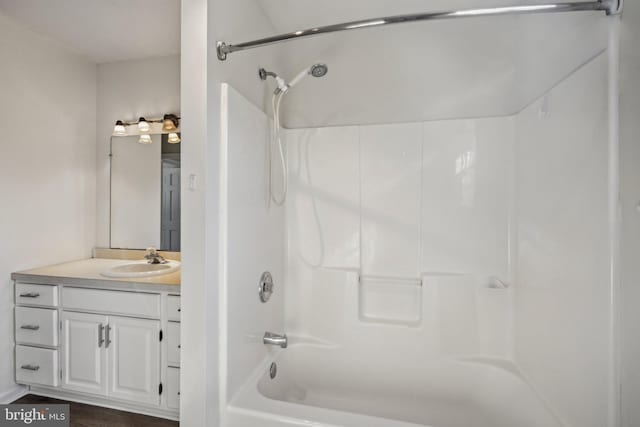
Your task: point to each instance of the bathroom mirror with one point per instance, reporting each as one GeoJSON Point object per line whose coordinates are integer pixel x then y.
{"type": "Point", "coordinates": [145, 193]}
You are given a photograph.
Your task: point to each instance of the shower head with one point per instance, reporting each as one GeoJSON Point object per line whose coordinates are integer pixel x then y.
{"type": "Point", "coordinates": [316, 70]}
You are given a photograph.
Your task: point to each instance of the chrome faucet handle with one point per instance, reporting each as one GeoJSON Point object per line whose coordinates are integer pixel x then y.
{"type": "Point", "coordinates": [154, 257]}
{"type": "Point", "coordinates": [274, 339]}
{"type": "Point", "coordinates": [151, 251]}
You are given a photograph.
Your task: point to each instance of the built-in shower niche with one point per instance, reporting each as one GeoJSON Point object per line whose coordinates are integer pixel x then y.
{"type": "Point", "coordinates": [396, 301]}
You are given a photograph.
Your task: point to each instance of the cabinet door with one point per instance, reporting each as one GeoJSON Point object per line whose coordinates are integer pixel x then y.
{"type": "Point", "coordinates": [84, 362]}
{"type": "Point", "coordinates": [134, 359]}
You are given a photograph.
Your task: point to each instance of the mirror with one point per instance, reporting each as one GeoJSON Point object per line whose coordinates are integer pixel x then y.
{"type": "Point", "coordinates": [145, 193]}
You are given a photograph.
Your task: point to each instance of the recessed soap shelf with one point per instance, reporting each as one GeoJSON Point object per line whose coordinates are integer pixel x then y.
{"type": "Point", "coordinates": [393, 301]}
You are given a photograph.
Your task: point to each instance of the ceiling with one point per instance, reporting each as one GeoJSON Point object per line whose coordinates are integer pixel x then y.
{"type": "Point", "coordinates": [103, 30]}
{"type": "Point", "coordinates": [476, 67]}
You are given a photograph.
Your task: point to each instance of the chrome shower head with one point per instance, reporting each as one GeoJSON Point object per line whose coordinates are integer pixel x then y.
{"type": "Point", "coordinates": [318, 70]}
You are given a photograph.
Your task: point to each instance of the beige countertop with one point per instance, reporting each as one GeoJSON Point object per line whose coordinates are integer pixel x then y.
{"type": "Point", "coordinates": [86, 273]}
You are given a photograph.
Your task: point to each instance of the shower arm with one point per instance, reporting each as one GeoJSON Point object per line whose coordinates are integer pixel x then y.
{"type": "Point", "coordinates": [611, 7]}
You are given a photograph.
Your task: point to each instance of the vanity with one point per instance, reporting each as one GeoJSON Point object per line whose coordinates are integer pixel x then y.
{"type": "Point", "coordinates": [106, 330]}
{"type": "Point", "coordinates": [85, 335]}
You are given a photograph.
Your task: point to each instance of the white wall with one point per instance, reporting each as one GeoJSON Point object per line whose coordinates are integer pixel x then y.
{"type": "Point", "coordinates": [420, 213]}
{"type": "Point", "coordinates": [562, 262]}
{"type": "Point", "coordinates": [47, 169]}
{"type": "Point", "coordinates": [452, 203]}
{"type": "Point", "coordinates": [253, 240]}
{"type": "Point", "coordinates": [630, 197]}
{"type": "Point", "coordinates": [203, 23]}
{"type": "Point", "coordinates": [128, 90]}
{"type": "Point", "coordinates": [198, 375]}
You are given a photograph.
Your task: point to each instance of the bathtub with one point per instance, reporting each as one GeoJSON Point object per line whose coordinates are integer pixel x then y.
{"type": "Point", "coordinates": [326, 386]}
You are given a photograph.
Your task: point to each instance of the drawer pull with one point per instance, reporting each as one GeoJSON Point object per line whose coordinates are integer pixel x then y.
{"type": "Point", "coordinates": [30, 367]}
{"type": "Point", "coordinates": [30, 295]}
{"type": "Point", "coordinates": [30, 327]}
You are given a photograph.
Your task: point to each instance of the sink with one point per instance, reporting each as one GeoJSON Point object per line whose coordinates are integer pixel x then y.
{"type": "Point", "coordinates": [141, 269]}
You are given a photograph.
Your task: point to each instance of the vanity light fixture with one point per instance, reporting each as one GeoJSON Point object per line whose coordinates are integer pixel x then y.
{"type": "Point", "coordinates": [119, 129]}
{"type": "Point", "coordinates": [143, 125]}
{"type": "Point", "coordinates": [173, 138]}
{"type": "Point", "coordinates": [170, 123]}
{"type": "Point", "coordinates": [145, 139]}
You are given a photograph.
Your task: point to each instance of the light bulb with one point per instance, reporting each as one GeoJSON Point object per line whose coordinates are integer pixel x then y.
{"type": "Point", "coordinates": [143, 125]}
{"type": "Point", "coordinates": [173, 138]}
{"type": "Point", "coordinates": [169, 123]}
{"type": "Point", "coordinates": [119, 129]}
{"type": "Point", "coordinates": [145, 139]}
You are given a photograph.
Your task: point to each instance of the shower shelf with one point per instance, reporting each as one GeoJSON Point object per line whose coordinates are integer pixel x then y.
{"type": "Point", "coordinates": [393, 301]}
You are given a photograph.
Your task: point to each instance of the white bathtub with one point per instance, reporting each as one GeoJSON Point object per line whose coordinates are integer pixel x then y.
{"type": "Point", "coordinates": [324, 386]}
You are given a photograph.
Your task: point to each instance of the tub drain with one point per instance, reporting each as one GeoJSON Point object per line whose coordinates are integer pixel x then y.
{"type": "Point", "coordinates": [273, 370]}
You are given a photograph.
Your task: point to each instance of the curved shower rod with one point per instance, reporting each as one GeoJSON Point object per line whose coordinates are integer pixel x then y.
{"type": "Point", "coordinates": [609, 6]}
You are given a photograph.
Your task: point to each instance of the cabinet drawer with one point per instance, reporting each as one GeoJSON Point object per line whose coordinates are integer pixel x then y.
{"type": "Point", "coordinates": [116, 302]}
{"type": "Point", "coordinates": [29, 294]}
{"type": "Point", "coordinates": [36, 366]}
{"type": "Point", "coordinates": [173, 343]}
{"type": "Point", "coordinates": [173, 307]}
{"type": "Point", "coordinates": [173, 388]}
{"type": "Point", "coordinates": [36, 326]}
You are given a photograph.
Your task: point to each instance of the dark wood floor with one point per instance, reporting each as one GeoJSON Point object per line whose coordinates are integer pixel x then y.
{"type": "Point", "coordinates": [94, 416]}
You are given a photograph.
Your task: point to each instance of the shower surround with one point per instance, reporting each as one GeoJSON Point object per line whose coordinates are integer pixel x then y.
{"type": "Point", "coordinates": [444, 273]}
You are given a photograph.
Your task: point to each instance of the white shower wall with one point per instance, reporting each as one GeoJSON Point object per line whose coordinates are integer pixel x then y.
{"type": "Point", "coordinates": [562, 293]}
{"type": "Point", "coordinates": [251, 242]}
{"type": "Point", "coordinates": [409, 215]}
{"type": "Point", "coordinates": [403, 235]}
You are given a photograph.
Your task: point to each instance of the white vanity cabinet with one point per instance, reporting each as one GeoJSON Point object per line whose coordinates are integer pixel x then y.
{"type": "Point", "coordinates": [100, 345]}
{"type": "Point", "coordinates": [84, 360]}
{"type": "Point", "coordinates": [134, 359]}
{"type": "Point", "coordinates": [36, 334]}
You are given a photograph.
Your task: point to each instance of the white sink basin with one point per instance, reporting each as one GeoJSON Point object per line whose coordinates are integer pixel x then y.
{"type": "Point", "coordinates": [141, 269]}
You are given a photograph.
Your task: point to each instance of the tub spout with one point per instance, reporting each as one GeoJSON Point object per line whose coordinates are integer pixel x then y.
{"type": "Point", "coordinates": [275, 339]}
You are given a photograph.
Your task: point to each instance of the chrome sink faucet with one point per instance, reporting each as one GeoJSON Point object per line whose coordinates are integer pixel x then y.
{"type": "Point", "coordinates": [153, 257]}
{"type": "Point", "coordinates": [275, 339]}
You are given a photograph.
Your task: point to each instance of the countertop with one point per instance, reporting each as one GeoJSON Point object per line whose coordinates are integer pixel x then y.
{"type": "Point", "coordinates": [86, 273]}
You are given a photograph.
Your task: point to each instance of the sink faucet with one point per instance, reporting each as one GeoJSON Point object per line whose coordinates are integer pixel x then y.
{"type": "Point", "coordinates": [275, 339]}
{"type": "Point", "coordinates": [153, 257]}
